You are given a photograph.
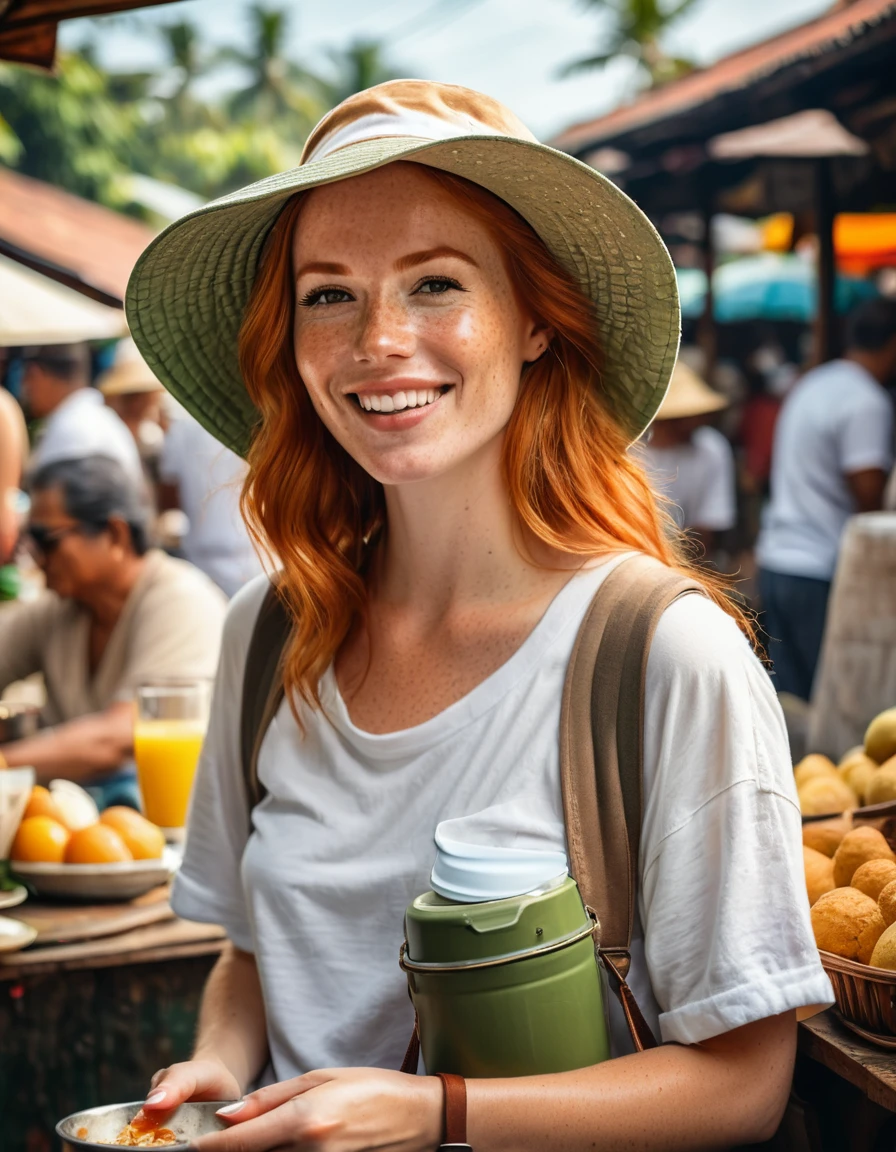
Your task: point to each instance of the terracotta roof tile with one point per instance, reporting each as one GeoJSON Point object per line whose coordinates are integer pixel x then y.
{"type": "Point", "coordinates": [95, 245]}
{"type": "Point", "coordinates": [834, 29]}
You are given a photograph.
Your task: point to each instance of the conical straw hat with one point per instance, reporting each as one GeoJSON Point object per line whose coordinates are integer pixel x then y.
{"type": "Point", "coordinates": [689, 395]}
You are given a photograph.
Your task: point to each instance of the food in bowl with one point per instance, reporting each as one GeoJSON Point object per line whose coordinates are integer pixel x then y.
{"type": "Point", "coordinates": [144, 1132]}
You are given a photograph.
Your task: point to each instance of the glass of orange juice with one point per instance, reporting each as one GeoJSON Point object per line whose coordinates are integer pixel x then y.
{"type": "Point", "coordinates": [172, 716]}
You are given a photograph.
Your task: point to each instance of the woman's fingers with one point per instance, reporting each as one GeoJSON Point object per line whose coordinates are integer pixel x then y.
{"type": "Point", "coordinates": [192, 1080]}
{"type": "Point", "coordinates": [264, 1099]}
{"type": "Point", "coordinates": [281, 1127]}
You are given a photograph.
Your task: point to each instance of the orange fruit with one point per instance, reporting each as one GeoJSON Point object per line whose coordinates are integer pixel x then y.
{"type": "Point", "coordinates": [96, 844]}
{"type": "Point", "coordinates": [143, 839]}
{"type": "Point", "coordinates": [41, 803]}
{"type": "Point", "coordinates": [40, 840]}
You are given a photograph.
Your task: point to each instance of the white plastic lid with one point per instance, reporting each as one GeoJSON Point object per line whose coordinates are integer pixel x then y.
{"type": "Point", "coordinates": [473, 873]}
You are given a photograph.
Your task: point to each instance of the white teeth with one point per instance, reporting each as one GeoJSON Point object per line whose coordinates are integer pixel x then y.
{"type": "Point", "coordinates": [398, 401]}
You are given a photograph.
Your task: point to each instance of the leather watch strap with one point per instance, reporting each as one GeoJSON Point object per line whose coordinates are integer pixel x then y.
{"type": "Point", "coordinates": [455, 1113]}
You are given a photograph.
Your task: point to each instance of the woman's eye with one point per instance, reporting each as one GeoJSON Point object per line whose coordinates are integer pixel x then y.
{"type": "Point", "coordinates": [438, 285]}
{"type": "Point", "coordinates": [325, 296]}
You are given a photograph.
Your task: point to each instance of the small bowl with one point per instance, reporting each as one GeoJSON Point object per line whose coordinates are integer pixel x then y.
{"type": "Point", "coordinates": [104, 1124]}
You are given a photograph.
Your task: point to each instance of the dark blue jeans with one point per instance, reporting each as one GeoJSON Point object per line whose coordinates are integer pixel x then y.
{"type": "Point", "coordinates": [793, 615]}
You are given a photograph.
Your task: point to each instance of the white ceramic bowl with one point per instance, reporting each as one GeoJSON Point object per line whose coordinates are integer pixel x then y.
{"type": "Point", "coordinates": [103, 1124]}
{"type": "Point", "coordinates": [98, 881]}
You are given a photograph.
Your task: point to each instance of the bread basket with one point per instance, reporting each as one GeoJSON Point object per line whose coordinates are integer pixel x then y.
{"type": "Point", "coordinates": [865, 996]}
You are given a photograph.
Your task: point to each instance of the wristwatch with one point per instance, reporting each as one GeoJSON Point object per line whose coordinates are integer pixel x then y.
{"type": "Point", "coordinates": [455, 1125]}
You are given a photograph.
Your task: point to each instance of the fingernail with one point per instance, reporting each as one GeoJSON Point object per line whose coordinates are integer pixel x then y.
{"type": "Point", "coordinates": [154, 1098]}
{"type": "Point", "coordinates": [229, 1109]}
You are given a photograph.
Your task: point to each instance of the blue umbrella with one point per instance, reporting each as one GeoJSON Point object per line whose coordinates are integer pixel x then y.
{"type": "Point", "coordinates": [766, 287]}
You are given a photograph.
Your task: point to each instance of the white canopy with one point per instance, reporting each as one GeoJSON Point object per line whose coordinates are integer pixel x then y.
{"type": "Point", "coordinates": [37, 310]}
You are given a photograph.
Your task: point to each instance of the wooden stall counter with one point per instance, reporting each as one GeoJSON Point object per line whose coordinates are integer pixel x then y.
{"type": "Point", "coordinates": [105, 996]}
{"type": "Point", "coordinates": [849, 1086]}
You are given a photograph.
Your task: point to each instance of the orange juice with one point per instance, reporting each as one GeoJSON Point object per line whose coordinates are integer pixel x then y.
{"type": "Point", "coordinates": [166, 752]}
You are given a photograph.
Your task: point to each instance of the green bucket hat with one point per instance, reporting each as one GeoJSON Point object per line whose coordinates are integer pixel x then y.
{"type": "Point", "coordinates": [189, 289]}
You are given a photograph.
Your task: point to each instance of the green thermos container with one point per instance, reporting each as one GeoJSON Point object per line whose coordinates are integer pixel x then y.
{"type": "Point", "coordinates": [507, 987]}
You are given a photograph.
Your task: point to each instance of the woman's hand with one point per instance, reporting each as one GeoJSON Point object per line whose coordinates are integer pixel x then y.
{"type": "Point", "coordinates": [336, 1110]}
{"type": "Point", "coordinates": [197, 1079]}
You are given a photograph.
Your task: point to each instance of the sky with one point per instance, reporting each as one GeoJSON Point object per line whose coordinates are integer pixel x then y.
{"type": "Point", "coordinates": [510, 49]}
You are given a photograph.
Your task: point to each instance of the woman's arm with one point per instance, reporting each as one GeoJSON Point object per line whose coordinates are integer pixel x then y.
{"type": "Point", "coordinates": [231, 1042]}
{"type": "Point", "coordinates": [726, 1091]}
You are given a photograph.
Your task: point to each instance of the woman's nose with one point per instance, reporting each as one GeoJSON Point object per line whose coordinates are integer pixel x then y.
{"type": "Point", "coordinates": [386, 330]}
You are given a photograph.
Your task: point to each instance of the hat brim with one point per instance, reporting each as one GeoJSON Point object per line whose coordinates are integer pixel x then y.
{"type": "Point", "coordinates": [189, 289]}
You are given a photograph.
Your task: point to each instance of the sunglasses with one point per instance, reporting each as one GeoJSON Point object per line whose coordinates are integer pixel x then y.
{"type": "Point", "coordinates": [46, 540]}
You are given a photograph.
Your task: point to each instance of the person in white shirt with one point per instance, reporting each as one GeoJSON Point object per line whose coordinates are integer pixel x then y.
{"type": "Point", "coordinates": [690, 462]}
{"type": "Point", "coordinates": [203, 478]}
{"type": "Point", "coordinates": [833, 450]}
{"type": "Point", "coordinates": [438, 454]}
{"type": "Point", "coordinates": [77, 423]}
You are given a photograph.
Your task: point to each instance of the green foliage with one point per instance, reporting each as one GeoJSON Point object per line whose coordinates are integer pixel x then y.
{"type": "Point", "coordinates": [637, 28]}
{"type": "Point", "coordinates": [87, 129]}
{"type": "Point", "coordinates": [66, 128]}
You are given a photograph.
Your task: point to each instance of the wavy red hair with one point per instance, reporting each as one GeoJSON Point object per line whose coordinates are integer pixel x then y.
{"type": "Point", "coordinates": [571, 479]}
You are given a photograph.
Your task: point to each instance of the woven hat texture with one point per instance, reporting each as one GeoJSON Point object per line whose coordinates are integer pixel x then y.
{"type": "Point", "coordinates": [189, 289]}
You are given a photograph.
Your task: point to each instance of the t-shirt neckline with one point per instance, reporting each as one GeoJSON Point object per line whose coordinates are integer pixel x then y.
{"type": "Point", "coordinates": [565, 610]}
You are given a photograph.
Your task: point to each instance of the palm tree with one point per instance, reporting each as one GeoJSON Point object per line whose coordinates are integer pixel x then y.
{"type": "Point", "coordinates": [638, 28]}
{"type": "Point", "coordinates": [359, 66]}
{"type": "Point", "coordinates": [277, 87]}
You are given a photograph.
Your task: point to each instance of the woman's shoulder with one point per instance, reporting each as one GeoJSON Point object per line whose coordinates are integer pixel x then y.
{"type": "Point", "coordinates": [695, 636]}
{"type": "Point", "coordinates": [242, 612]}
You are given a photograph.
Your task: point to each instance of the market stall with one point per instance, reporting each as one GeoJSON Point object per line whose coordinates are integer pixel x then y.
{"type": "Point", "coordinates": [107, 994]}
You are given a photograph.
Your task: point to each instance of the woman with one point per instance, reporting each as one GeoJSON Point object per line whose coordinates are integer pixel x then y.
{"type": "Point", "coordinates": [443, 396]}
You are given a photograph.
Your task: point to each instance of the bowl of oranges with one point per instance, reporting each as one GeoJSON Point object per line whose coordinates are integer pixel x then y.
{"type": "Point", "coordinates": [64, 847]}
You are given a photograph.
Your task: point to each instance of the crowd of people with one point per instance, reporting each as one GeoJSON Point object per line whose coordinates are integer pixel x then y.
{"type": "Point", "coordinates": [94, 606]}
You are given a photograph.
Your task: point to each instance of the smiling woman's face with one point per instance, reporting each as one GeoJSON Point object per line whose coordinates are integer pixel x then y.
{"type": "Point", "coordinates": [408, 334]}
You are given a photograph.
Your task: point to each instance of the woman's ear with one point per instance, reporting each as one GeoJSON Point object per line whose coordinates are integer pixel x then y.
{"type": "Point", "coordinates": [537, 341]}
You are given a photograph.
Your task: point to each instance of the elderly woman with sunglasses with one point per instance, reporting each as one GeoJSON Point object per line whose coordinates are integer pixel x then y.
{"type": "Point", "coordinates": [115, 612]}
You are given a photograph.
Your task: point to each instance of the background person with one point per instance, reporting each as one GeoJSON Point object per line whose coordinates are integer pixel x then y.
{"type": "Point", "coordinates": [690, 462]}
{"type": "Point", "coordinates": [115, 613]}
{"type": "Point", "coordinates": [203, 478]}
{"type": "Point", "coordinates": [135, 395]}
{"type": "Point", "coordinates": [13, 457]}
{"type": "Point", "coordinates": [833, 450]}
{"type": "Point", "coordinates": [56, 389]}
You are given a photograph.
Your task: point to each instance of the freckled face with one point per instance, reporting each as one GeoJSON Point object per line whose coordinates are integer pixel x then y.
{"type": "Point", "coordinates": [407, 335]}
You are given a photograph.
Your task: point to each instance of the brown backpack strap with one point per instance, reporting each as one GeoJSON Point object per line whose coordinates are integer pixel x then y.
{"type": "Point", "coordinates": [601, 755]}
{"type": "Point", "coordinates": [262, 686]}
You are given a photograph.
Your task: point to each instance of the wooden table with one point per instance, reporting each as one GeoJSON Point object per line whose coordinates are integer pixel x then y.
{"type": "Point", "coordinates": [850, 1085]}
{"type": "Point", "coordinates": [87, 1020]}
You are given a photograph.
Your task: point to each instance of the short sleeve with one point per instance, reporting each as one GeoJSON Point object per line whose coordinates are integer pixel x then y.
{"type": "Point", "coordinates": [176, 631]}
{"type": "Point", "coordinates": [23, 628]}
{"type": "Point", "coordinates": [172, 453]}
{"type": "Point", "coordinates": [727, 934]}
{"type": "Point", "coordinates": [208, 886]}
{"type": "Point", "coordinates": [865, 434]}
{"type": "Point", "coordinates": [715, 502]}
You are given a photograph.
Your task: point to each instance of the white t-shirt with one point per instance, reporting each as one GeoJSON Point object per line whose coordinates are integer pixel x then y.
{"type": "Point", "coordinates": [209, 478]}
{"type": "Point", "coordinates": [343, 841]}
{"type": "Point", "coordinates": [698, 477]}
{"type": "Point", "coordinates": [837, 420]}
{"type": "Point", "coordinates": [83, 426]}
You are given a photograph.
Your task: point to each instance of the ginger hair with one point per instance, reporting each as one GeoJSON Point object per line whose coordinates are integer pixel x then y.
{"type": "Point", "coordinates": [571, 479]}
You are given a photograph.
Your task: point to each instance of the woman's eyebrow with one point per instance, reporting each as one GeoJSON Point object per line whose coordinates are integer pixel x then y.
{"type": "Point", "coordinates": [322, 266]}
{"type": "Point", "coordinates": [415, 258]}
